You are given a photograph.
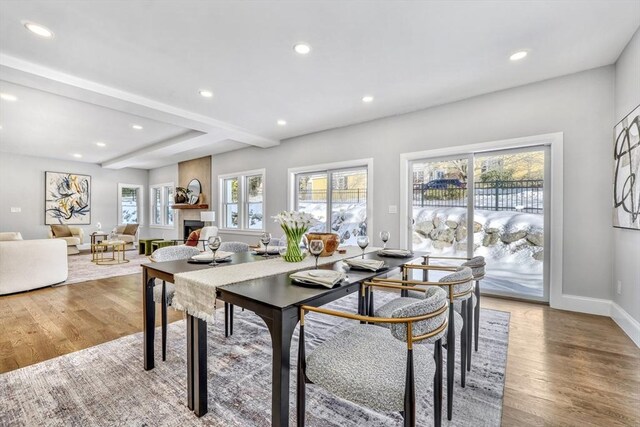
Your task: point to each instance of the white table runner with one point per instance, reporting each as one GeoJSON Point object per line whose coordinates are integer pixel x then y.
{"type": "Point", "coordinates": [196, 290]}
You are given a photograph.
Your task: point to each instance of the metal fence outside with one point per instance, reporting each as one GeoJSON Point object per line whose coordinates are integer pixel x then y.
{"type": "Point", "coordinates": [340, 196]}
{"type": "Point", "coordinates": [521, 195]}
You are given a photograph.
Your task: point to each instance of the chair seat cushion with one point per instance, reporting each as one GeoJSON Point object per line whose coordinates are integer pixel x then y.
{"type": "Point", "coordinates": [126, 238]}
{"type": "Point", "coordinates": [387, 309]}
{"type": "Point", "coordinates": [367, 366]}
{"type": "Point", "coordinates": [157, 292]}
{"type": "Point", "coordinates": [70, 240]}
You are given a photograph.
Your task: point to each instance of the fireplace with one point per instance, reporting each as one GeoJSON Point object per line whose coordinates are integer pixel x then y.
{"type": "Point", "coordinates": [191, 225]}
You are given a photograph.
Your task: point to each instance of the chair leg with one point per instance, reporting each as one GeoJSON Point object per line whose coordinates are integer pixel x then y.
{"type": "Point", "coordinates": [371, 308]}
{"type": "Point", "coordinates": [469, 336]}
{"type": "Point", "coordinates": [231, 309]}
{"type": "Point", "coordinates": [226, 319]}
{"type": "Point", "coordinates": [451, 361]}
{"type": "Point", "coordinates": [437, 385]}
{"type": "Point", "coordinates": [409, 393]}
{"type": "Point", "coordinates": [164, 320]}
{"type": "Point", "coordinates": [463, 345]}
{"type": "Point", "coordinates": [476, 323]}
{"type": "Point", "coordinates": [301, 386]}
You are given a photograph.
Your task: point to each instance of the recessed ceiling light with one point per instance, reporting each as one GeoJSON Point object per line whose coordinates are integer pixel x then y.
{"type": "Point", "coordinates": [302, 48]}
{"type": "Point", "coordinates": [101, 144]}
{"type": "Point", "coordinates": [367, 98]}
{"type": "Point", "coordinates": [281, 122]}
{"type": "Point", "coordinates": [137, 127]}
{"type": "Point", "coordinates": [77, 156]}
{"type": "Point", "coordinates": [206, 93]}
{"type": "Point", "coordinates": [518, 55]}
{"type": "Point", "coordinates": [8, 97]}
{"type": "Point", "coordinates": [38, 30]}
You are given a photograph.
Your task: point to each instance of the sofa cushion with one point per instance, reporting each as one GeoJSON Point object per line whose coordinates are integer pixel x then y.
{"type": "Point", "coordinates": [130, 229]}
{"type": "Point", "coordinates": [194, 236]}
{"type": "Point", "coordinates": [71, 241]}
{"type": "Point", "coordinates": [61, 230]}
{"type": "Point", "coordinates": [10, 236]}
{"type": "Point", "coordinates": [126, 238]}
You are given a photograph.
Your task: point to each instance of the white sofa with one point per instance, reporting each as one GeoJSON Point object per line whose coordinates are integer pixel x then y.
{"type": "Point", "coordinates": [31, 264]}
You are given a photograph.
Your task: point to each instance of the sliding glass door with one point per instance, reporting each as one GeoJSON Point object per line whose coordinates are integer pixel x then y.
{"type": "Point", "coordinates": [497, 208]}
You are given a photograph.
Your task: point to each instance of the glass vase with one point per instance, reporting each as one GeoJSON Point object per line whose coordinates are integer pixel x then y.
{"type": "Point", "coordinates": [293, 254]}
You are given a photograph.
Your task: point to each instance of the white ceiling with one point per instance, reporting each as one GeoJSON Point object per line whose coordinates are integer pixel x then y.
{"type": "Point", "coordinates": [148, 59]}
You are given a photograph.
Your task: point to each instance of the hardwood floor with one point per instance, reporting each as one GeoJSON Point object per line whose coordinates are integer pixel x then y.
{"type": "Point", "coordinates": [563, 368]}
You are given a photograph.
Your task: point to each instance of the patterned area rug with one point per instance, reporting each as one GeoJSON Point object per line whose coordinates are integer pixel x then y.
{"type": "Point", "coordinates": [107, 386]}
{"type": "Point", "coordinates": [81, 269]}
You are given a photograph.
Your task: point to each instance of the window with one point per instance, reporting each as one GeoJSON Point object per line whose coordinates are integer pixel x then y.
{"type": "Point", "coordinates": [160, 206]}
{"type": "Point", "coordinates": [337, 196]}
{"type": "Point", "coordinates": [242, 200]}
{"type": "Point", "coordinates": [130, 204]}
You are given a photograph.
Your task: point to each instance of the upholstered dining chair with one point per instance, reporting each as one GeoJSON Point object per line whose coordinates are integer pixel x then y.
{"type": "Point", "coordinates": [235, 247]}
{"type": "Point", "coordinates": [164, 294]}
{"type": "Point", "coordinates": [371, 366]}
{"type": "Point", "coordinates": [459, 287]}
{"type": "Point", "coordinates": [477, 265]}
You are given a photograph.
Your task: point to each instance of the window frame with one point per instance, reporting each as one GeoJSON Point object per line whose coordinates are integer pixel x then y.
{"type": "Point", "coordinates": [164, 203]}
{"type": "Point", "coordinates": [140, 206]}
{"type": "Point", "coordinates": [329, 168]}
{"type": "Point", "coordinates": [243, 202]}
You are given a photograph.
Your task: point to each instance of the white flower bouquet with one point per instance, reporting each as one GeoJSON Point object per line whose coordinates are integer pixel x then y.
{"type": "Point", "coordinates": [294, 224]}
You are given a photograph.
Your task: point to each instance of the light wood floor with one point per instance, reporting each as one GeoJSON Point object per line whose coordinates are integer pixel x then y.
{"type": "Point", "coordinates": [563, 368]}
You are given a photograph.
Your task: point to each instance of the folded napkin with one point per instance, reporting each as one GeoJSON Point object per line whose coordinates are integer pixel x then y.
{"type": "Point", "coordinates": [395, 252]}
{"type": "Point", "coordinates": [327, 278]}
{"type": "Point", "coordinates": [273, 250]}
{"type": "Point", "coordinates": [364, 264]}
{"type": "Point", "coordinates": [208, 256]}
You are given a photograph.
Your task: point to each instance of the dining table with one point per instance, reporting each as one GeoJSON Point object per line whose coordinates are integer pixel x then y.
{"type": "Point", "coordinates": [275, 298]}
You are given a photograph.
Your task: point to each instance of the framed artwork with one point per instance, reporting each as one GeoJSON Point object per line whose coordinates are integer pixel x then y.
{"type": "Point", "coordinates": [626, 172]}
{"type": "Point", "coordinates": [67, 198]}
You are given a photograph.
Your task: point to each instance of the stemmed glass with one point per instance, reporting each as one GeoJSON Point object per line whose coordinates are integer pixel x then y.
{"type": "Point", "coordinates": [363, 242]}
{"type": "Point", "coordinates": [316, 247]}
{"type": "Point", "coordinates": [265, 238]}
{"type": "Point", "coordinates": [384, 236]}
{"type": "Point", "coordinates": [214, 244]}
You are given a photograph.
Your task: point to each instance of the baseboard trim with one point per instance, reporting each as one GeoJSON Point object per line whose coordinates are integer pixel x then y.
{"type": "Point", "coordinates": [599, 306]}
{"type": "Point", "coordinates": [628, 324]}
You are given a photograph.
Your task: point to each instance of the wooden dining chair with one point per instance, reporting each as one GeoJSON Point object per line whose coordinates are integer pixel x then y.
{"type": "Point", "coordinates": [369, 366]}
{"type": "Point", "coordinates": [460, 287]}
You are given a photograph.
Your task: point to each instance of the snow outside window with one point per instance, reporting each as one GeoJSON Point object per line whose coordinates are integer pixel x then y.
{"type": "Point", "coordinates": [160, 206]}
{"type": "Point", "coordinates": [242, 201]}
{"type": "Point", "coordinates": [130, 204]}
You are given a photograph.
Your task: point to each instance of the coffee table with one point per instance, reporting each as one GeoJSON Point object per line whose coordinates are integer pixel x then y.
{"type": "Point", "coordinates": [117, 252]}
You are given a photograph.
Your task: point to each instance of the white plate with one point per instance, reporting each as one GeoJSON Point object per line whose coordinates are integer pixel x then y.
{"type": "Point", "coordinates": [322, 273]}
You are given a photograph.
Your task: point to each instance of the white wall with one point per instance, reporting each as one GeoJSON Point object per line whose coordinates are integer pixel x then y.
{"type": "Point", "coordinates": [626, 243]}
{"type": "Point", "coordinates": [22, 185]}
{"type": "Point", "coordinates": [580, 105]}
{"type": "Point", "coordinates": [164, 175]}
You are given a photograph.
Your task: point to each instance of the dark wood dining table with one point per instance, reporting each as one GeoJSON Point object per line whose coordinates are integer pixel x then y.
{"type": "Point", "coordinates": [275, 299]}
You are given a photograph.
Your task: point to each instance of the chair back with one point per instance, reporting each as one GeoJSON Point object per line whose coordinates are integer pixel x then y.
{"type": "Point", "coordinates": [234, 247]}
{"type": "Point", "coordinates": [477, 267]}
{"type": "Point", "coordinates": [173, 253]}
{"type": "Point", "coordinates": [207, 232]}
{"type": "Point", "coordinates": [435, 299]}
{"type": "Point", "coordinates": [462, 289]}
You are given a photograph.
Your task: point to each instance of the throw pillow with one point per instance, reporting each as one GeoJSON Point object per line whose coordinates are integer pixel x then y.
{"type": "Point", "coordinates": [130, 229]}
{"type": "Point", "coordinates": [60, 230]}
{"type": "Point", "coordinates": [194, 236]}
{"type": "Point", "coordinates": [10, 236]}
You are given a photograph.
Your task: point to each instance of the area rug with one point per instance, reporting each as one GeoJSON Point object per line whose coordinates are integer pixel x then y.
{"type": "Point", "coordinates": [81, 269]}
{"type": "Point", "coordinates": [107, 386]}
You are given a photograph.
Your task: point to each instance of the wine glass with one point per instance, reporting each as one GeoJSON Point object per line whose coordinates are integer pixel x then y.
{"type": "Point", "coordinates": [265, 238]}
{"type": "Point", "coordinates": [316, 247]}
{"type": "Point", "coordinates": [363, 242]}
{"type": "Point", "coordinates": [214, 244]}
{"type": "Point", "coordinates": [384, 236]}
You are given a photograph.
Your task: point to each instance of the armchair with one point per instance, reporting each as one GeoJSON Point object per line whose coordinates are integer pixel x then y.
{"type": "Point", "coordinates": [128, 233]}
{"type": "Point", "coordinates": [73, 236]}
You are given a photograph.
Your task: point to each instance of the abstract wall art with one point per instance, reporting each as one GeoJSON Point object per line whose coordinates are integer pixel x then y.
{"type": "Point", "coordinates": [67, 198]}
{"type": "Point", "coordinates": [626, 172]}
